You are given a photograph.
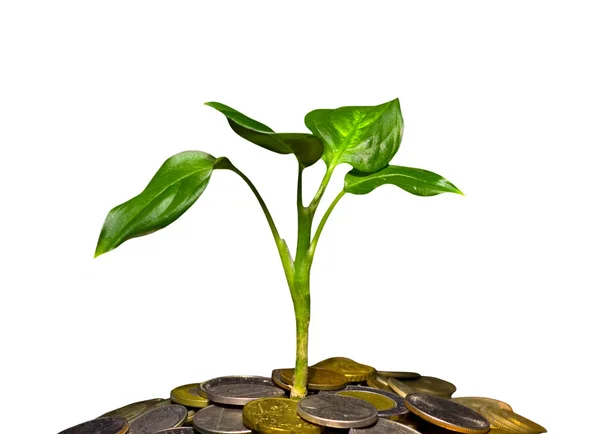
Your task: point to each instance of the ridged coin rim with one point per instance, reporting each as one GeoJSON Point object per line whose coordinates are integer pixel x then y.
{"type": "Point", "coordinates": [525, 427]}
{"type": "Point", "coordinates": [205, 391]}
{"type": "Point", "coordinates": [330, 423]}
{"type": "Point", "coordinates": [399, 410]}
{"type": "Point", "coordinates": [444, 424]}
{"type": "Point", "coordinates": [189, 400]}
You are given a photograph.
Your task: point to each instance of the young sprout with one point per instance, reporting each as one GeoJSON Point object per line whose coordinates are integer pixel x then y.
{"type": "Point", "coordinates": [366, 137]}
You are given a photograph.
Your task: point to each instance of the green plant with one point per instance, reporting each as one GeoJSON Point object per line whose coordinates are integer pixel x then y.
{"type": "Point", "coordinates": [365, 137]}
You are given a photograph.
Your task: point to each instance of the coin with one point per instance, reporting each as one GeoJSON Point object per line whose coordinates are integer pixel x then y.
{"type": "Point", "coordinates": [188, 395]}
{"type": "Point", "coordinates": [511, 421]}
{"type": "Point", "coordinates": [180, 430]}
{"type": "Point", "coordinates": [168, 416]}
{"type": "Point", "coordinates": [276, 415]}
{"type": "Point", "coordinates": [353, 371]}
{"type": "Point", "coordinates": [399, 375]}
{"type": "Point", "coordinates": [190, 417]}
{"type": "Point", "coordinates": [379, 382]}
{"type": "Point", "coordinates": [216, 419]}
{"type": "Point", "coordinates": [388, 404]}
{"type": "Point", "coordinates": [385, 426]}
{"type": "Point", "coordinates": [276, 377]}
{"type": "Point", "coordinates": [428, 385]}
{"type": "Point", "coordinates": [104, 425]}
{"type": "Point", "coordinates": [136, 409]}
{"type": "Point", "coordinates": [318, 379]}
{"type": "Point", "coordinates": [477, 403]}
{"type": "Point", "coordinates": [239, 389]}
{"type": "Point", "coordinates": [337, 411]}
{"type": "Point", "coordinates": [446, 413]}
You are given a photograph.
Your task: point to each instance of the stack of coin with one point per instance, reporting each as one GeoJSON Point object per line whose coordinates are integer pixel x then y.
{"type": "Point", "coordinates": [343, 397]}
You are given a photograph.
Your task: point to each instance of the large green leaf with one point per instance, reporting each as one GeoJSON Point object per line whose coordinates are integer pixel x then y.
{"type": "Point", "coordinates": [367, 137]}
{"type": "Point", "coordinates": [416, 181]}
{"type": "Point", "coordinates": [175, 187]}
{"type": "Point", "coordinates": [306, 147]}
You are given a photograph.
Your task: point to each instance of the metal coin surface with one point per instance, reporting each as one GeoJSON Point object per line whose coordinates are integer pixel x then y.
{"type": "Point", "coordinates": [136, 409]}
{"type": "Point", "coordinates": [104, 425]}
{"type": "Point", "coordinates": [379, 382]}
{"type": "Point", "coordinates": [428, 385]}
{"type": "Point", "coordinates": [446, 413]}
{"type": "Point", "coordinates": [276, 377]}
{"type": "Point", "coordinates": [391, 406]}
{"type": "Point", "coordinates": [168, 416]}
{"type": "Point", "coordinates": [239, 389]}
{"type": "Point", "coordinates": [385, 426]}
{"type": "Point", "coordinates": [478, 403]}
{"type": "Point", "coordinates": [277, 415]}
{"type": "Point", "coordinates": [216, 419]}
{"type": "Point", "coordinates": [189, 396]}
{"type": "Point", "coordinates": [353, 371]}
{"type": "Point", "coordinates": [180, 430]}
{"type": "Point", "coordinates": [511, 421]}
{"type": "Point", "coordinates": [400, 375]}
{"type": "Point", "coordinates": [337, 411]}
{"type": "Point", "coordinates": [318, 379]}
{"type": "Point", "coordinates": [190, 417]}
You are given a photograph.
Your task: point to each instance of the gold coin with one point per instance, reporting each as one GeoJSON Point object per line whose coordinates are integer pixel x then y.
{"type": "Point", "coordinates": [276, 415]}
{"type": "Point", "coordinates": [190, 417]}
{"type": "Point", "coordinates": [477, 403]}
{"type": "Point", "coordinates": [429, 385]}
{"type": "Point", "coordinates": [399, 375]}
{"type": "Point", "coordinates": [189, 396]}
{"type": "Point", "coordinates": [318, 379]}
{"type": "Point", "coordinates": [350, 369]}
{"type": "Point", "coordinates": [380, 402]}
{"type": "Point", "coordinates": [511, 421]}
{"type": "Point", "coordinates": [379, 382]}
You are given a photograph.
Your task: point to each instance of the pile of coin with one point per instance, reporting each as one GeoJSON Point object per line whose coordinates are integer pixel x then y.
{"type": "Point", "coordinates": [343, 397]}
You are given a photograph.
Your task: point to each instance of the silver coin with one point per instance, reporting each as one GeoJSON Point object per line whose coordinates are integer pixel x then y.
{"type": "Point", "coordinates": [239, 389]}
{"type": "Point", "coordinates": [385, 426]}
{"type": "Point", "coordinates": [180, 430]}
{"type": "Point", "coordinates": [215, 419]}
{"type": "Point", "coordinates": [337, 411]}
{"type": "Point", "coordinates": [446, 413]}
{"type": "Point", "coordinates": [105, 425]}
{"type": "Point", "coordinates": [398, 410]}
{"type": "Point", "coordinates": [161, 418]}
{"type": "Point", "coordinates": [136, 409]}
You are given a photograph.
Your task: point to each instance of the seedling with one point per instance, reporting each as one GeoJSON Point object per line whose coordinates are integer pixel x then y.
{"type": "Point", "coordinates": [366, 137]}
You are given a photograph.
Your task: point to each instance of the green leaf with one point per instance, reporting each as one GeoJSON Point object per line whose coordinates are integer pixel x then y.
{"type": "Point", "coordinates": [366, 137]}
{"type": "Point", "coordinates": [306, 147]}
{"type": "Point", "coordinates": [416, 181]}
{"type": "Point", "coordinates": [175, 187]}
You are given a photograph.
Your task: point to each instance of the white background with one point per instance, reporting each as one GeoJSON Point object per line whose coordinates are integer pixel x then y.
{"type": "Point", "coordinates": [494, 291]}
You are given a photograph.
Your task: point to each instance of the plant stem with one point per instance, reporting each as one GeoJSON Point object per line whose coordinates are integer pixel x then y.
{"type": "Point", "coordinates": [297, 270]}
{"type": "Point", "coordinates": [317, 199]}
{"type": "Point", "coordinates": [301, 297]}
{"type": "Point", "coordinates": [301, 371]}
{"type": "Point", "coordinates": [313, 244]}
{"type": "Point", "coordinates": [305, 217]}
{"type": "Point", "coordinates": [282, 248]}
